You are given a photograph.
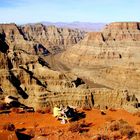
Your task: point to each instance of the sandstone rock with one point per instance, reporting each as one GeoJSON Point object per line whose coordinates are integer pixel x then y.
{"type": "Point", "coordinates": [110, 57]}
{"type": "Point", "coordinates": [52, 38]}
{"type": "Point", "coordinates": [38, 38]}
{"type": "Point", "coordinates": [27, 75]}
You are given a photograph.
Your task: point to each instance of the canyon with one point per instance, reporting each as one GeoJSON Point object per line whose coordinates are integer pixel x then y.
{"type": "Point", "coordinates": [110, 57]}
{"type": "Point", "coordinates": [44, 66]}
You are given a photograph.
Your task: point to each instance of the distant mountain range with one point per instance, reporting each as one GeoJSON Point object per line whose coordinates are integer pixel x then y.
{"type": "Point", "coordinates": [86, 26]}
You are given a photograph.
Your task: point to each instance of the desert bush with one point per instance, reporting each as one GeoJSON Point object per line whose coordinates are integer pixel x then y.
{"type": "Point", "coordinates": [114, 126]}
{"type": "Point", "coordinates": [115, 136]}
{"type": "Point", "coordinates": [9, 127]}
{"type": "Point", "coordinates": [127, 130]}
{"type": "Point", "coordinates": [119, 129]}
{"type": "Point", "coordinates": [136, 137]}
{"type": "Point", "coordinates": [84, 124]}
{"type": "Point", "coordinates": [122, 122]}
{"type": "Point", "coordinates": [75, 127]}
{"type": "Point", "coordinates": [123, 127]}
{"type": "Point", "coordinates": [117, 125]}
{"type": "Point", "coordinates": [79, 127]}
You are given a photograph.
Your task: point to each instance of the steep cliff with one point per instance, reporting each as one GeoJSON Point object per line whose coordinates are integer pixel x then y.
{"type": "Point", "coordinates": [52, 38]}
{"type": "Point", "coordinates": [26, 74]}
{"type": "Point", "coordinates": [110, 57]}
{"type": "Point", "coordinates": [39, 39]}
{"type": "Point", "coordinates": [118, 41]}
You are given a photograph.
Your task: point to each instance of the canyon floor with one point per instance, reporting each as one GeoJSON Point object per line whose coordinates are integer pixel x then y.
{"type": "Point", "coordinates": [94, 126]}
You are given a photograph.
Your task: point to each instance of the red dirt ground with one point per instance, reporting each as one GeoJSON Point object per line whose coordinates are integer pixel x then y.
{"type": "Point", "coordinates": [46, 124]}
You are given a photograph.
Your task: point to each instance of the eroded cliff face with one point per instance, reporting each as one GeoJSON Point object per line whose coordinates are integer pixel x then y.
{"type": "Point", "coordinates": [27, 75]}
{"type": "Point", "coordinates": [54, 39]}
{"type": "Point", "coordinates": [118, 41]}
{"type": "Point", "coordinates": [110, 57]}
{"type": "Point", "coordinates": [39, 39]}
{"type": "Point", "coordinates": [39, 86]}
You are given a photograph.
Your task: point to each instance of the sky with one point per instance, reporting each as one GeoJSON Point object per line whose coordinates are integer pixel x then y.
{"type": "Point", "coordinates": [31, 11]}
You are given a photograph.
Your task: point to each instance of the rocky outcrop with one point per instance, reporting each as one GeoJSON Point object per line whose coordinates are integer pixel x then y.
{"type": "Point", "coordinates": [118, 41]}
{"type": "Point", "coordinates": [110, 57]}
{"type": "Point", "coordinates": [11, 34]}
{"type": "Point", "coordinates": [26, 74]}
{"type": "Point", "coordinates": [39, 39]}
{"type": "Point", "coordinates": [52, 38]}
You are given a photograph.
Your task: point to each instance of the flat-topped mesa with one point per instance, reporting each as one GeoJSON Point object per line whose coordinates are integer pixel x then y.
{"type": "Point", "coordinates": [123, 25]}
{"type": "Point", "coordinates": [122, 31]}
{"type": "Point", "coordinates": [91, 38]}
{"type": "Point", "coordinates": [117, 41]}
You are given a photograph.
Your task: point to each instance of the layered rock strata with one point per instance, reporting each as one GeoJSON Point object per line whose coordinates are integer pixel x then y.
{"type": "Point", "coordinates": [54, 39]}
{"type": "Point", "coordinates": [34, 81]}
{"type": "Point", "coordinates": [110, 57]}
{"type": "Point", "coordinates": [39, 39]}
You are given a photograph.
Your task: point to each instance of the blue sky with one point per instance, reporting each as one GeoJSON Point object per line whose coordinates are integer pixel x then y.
{"type": "Point", "coordinates": [29, 11]}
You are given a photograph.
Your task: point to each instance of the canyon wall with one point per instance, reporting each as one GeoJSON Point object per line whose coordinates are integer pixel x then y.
{"type": "Point", "coordinates": [54, 39]}
{"type": "Point", "coordinates": [110, 57]}
{"type": "Point", "coordinates": [39, 39]}
{"type": "Point", "coordinates": [26, 74]}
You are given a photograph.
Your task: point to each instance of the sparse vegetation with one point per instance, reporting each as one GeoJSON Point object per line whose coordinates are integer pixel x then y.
{"type": "Point", "coordinates": [123, 127]}
{"type": "Point", "coordinates": [79, 127]}
{"type": "Point", "coordinates": [75, 127]}
{"type": "Point", "coordinates": [127, 130]}
{"type": "Point", "coordinates": [136, 137]}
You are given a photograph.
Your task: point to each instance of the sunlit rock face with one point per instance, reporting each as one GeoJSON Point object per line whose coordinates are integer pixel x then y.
{"type": "Point", "coordinates": [53, 38]}
{"type": "Point", "coordinates": [39, 38]}
{"type": "Point", "coordinates": [117, 41]}
{"type": "Point", "coordinates": [110, 57]}
{"type": "Point", "coordinates": [25, 73]}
